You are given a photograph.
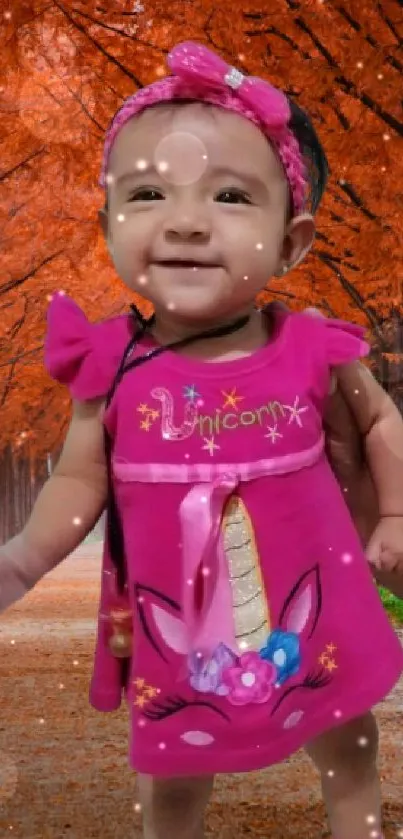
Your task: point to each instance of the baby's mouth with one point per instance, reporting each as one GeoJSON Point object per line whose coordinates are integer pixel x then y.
{"type": "Point", "coordinates": [177, 264]}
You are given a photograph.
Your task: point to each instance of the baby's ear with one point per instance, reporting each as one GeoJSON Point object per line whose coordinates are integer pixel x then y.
{"type": "Point", "coordinates": [298, 240]}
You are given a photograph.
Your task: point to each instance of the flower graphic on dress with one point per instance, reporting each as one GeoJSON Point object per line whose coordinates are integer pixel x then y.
{"type": "Point", "coordinates": [206, 673]}
{"type": "Point", "coordinates": [224, 677]}
{"type": "Point", "coordinates": [250, 680]}
{"type": "Point", "coordinates": [283, 650]}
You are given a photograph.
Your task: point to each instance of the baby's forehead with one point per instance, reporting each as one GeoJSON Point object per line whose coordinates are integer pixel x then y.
{"type": "Point", "coordinates": [223, 137]}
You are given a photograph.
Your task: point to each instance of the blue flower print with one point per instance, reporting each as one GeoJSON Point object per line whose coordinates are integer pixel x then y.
{"type": "Point", "coordinates": [282, 649]}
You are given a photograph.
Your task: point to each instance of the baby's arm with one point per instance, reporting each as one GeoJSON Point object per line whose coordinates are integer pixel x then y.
{"type": "Point", "coordinates": [67, 508]}
{"type": "Point", "coordinates": [381, 425]}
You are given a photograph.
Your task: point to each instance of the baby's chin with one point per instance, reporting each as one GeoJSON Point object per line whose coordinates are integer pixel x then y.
{"type": "Point", "coordinates": [199, 316]}
{"type": "Point", "coordinates": [193, 308]}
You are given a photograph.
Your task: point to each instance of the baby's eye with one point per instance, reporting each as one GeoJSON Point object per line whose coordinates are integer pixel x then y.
{"type": "Point", "coordinates": [146, 194]}
{"type": "Point", "coordinates": [233, 196]}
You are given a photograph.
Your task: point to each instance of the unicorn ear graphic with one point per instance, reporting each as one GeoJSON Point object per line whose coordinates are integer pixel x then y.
{"type": "Point", "coordinates": [303, 606]}
{"type": "Point", "coordinates": [161, 622]}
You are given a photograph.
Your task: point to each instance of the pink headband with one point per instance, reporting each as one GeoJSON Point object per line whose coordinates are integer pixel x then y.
{"type": "Point", "coordinates": [202, 75]}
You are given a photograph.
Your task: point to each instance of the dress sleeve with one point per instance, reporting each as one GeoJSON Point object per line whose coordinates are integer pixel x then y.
{"type": "Point", "coordinates": [344, 342]}
{"type": "Point", "coordinates": [82, 355]}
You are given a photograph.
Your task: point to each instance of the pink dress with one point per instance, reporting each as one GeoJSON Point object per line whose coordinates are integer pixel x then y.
{"type": "Point", "coordinates": [257, 625]}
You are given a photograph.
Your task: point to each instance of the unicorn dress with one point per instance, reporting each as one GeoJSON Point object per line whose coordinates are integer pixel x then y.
{"type": "Point", "coordinates": [256, 622]}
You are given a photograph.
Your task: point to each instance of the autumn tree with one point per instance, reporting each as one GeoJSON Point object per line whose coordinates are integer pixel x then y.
{"type": "Point", "coordinates": [67, 65]}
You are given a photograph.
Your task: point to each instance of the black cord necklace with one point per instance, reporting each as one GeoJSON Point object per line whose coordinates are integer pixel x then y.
{"type": "Point", "coordinates": [216, 332]}
{"type": "Point", "coordinates": [145, 324]}
{"type": "Point", "coordinates": [114, 526]}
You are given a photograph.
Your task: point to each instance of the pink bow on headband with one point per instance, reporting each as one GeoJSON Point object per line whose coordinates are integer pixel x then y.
{"type": "Point", "coordinates": [197, 65]}
{"type": "Point", "coordinates": [199, 74]}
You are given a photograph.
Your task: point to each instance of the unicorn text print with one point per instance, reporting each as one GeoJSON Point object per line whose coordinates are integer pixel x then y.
{"type": "Point", "coordinates": [181, 418]}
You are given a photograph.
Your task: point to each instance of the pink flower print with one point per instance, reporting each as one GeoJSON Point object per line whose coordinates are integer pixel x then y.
{"type": "Point", "coordinates": [249, 681]}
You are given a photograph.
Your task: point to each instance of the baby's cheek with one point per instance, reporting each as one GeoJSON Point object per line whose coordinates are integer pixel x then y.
{"type": "Point", "coordinates": [128, 265]}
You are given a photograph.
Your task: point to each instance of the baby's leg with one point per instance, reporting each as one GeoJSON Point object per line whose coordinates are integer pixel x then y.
{"type": "Point", "coordinates": [346, 758]}
{"type": "Point", "coordinates": [174, 807]}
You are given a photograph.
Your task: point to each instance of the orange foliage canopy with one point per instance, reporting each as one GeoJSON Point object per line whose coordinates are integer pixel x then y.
{"type": "Point", "coordinates": [66, 68]}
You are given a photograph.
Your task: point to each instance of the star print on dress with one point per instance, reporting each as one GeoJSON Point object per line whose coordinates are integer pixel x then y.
{"type": "Point", "coordinates": [144, 693]}
{"type": "Point", "coordinates": [190, 392]}
{"type": "Point", "coordinates": [273, 434]}
{"type": "Point", "coordinates": [295, 412]}
{"type": "Point", "coordinates": [231, 399]}
{"type": "Point", "coordinates": [149, 416]}
{"type": "Point", "coordinates": [143, 408]}
{"type": "Point", "coordinates": [210, 445]}
{"type": "Point", "coordinates": [327, 660]}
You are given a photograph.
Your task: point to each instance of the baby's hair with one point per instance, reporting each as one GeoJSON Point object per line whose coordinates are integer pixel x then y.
{"type": "Point", "coordinates": [312, 152]}
{"type": "Point", "coordinates": [311, 149]}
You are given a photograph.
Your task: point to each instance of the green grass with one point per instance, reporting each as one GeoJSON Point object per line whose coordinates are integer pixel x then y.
{"type": "Point", "coordinates": [393, 605]}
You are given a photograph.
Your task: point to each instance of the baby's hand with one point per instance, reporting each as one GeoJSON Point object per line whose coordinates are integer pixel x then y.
{"type": "Point", "coordinates": [385, 548]}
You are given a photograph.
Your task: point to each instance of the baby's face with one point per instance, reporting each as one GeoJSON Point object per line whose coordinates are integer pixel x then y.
{"type": "Point", "coordinates": [197, 210]}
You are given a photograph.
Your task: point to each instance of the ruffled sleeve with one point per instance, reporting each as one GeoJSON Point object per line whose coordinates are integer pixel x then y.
{"type": "Point", "coordinates": [82, 355]}
{"type": "Point", "coordinates": [344, 342]}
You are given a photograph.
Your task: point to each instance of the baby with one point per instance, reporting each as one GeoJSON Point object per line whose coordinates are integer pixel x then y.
{"type": "Point", "coordinates": [238, 614]}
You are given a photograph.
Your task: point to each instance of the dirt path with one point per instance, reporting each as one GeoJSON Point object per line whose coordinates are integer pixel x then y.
{"type": "Point", "coordinates": [63, 766]}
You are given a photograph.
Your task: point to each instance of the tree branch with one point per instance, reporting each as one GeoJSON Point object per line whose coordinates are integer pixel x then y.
{"type": "Point", "coordinates": [19, 323]}
{"type": "Point", "coordinates": [86, 111]}
{"type": "Point", "coordinates": [346, 187]}
{"type": "Point", "coordinates": [350, 191]}
{"type": "Point", "coordinates": [354, 295]}
{"type": "Point", "coordinates": [344, 122]}
{"type": "Point", "coordinates": [389, 23]}
{"type": "Point", "coordinates": [21, 280]}
{"type": "Point", "coordinates": [340, 220]}
{"type": "Point", "coordinates": [339, 260]}
{"type": "Point", "coordinates": [389, 59]}
{"type": "Point", "coordinates": [104, 25]}
{"type": "Point", "coordinates": [7, 386]}
{"type": "Point", "coordinates": [22, 163]}
{"type": "Point", "coordinates": [347, 85]}
{"type": "Point", "coordinates": [20, 356]}
{"type": "Point", "coordinates": [357, 201]}
{"type": "Point", "coordinates": [99, 46]}
{"type": "Point", "coordinates": [121, 32]}
{"type": "Point", "coordinates": [101, 78]}
{"type": "Point", "coordinates": [272, 30]}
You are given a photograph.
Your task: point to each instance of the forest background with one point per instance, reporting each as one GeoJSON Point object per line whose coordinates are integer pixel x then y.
{"type": "Point", "coordinates": [65, 68]}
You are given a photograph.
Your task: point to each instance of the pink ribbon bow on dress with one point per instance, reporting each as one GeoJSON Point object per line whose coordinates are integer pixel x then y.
{"type": "Point", "coordinates": [207, 595]}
